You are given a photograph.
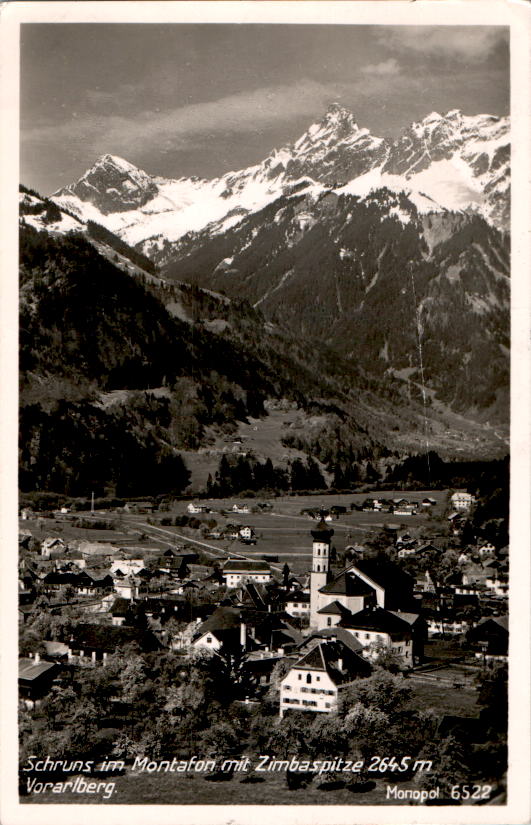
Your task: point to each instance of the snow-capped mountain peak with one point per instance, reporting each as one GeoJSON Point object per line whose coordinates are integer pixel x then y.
{"type": "Point", "coordinates": [444, 162]}
{"type": "Point", "coordinates": [112, 184]}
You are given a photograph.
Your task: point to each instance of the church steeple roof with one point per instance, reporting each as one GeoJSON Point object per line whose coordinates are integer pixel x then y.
{"type": "Point", "coordinates": [322, 532]}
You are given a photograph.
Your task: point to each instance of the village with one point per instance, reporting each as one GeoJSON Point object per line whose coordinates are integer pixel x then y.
{"type": "Point", "coordinates": [302, 604]}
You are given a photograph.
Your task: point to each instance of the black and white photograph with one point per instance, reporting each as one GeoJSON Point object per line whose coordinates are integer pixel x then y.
{"type": "Point", "coordinates": [268, 301]}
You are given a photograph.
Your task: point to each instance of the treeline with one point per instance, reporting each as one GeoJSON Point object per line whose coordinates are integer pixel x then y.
{"type": "Point", "coordinates": [100, 233]}
{"type": "Point", "coordinates": [77, 447]}
{"type": "Point", "coordinates": [52, 213]}
{"type": "Point", "coordinates": [249, 475]}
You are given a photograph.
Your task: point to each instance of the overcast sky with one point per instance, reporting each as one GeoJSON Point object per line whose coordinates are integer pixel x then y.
{"type": "Point", "coordinates": [201, 100]}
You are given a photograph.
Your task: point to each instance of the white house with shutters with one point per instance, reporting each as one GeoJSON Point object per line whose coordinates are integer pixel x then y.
{"type": "Point", "coordinates": [314, 681]}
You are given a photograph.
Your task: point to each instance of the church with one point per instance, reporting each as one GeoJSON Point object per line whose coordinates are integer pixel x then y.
{"type": "Point", "coordinates": [371, 598]}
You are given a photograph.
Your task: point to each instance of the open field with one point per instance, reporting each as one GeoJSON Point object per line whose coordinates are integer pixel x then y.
{"type": "Point", "coordinates": [281, 532]}
{"type": "Point", "coordinates": [285, 533]}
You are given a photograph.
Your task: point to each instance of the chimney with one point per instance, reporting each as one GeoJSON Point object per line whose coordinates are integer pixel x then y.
{"type": "Point", "coordinates": [243, 635]}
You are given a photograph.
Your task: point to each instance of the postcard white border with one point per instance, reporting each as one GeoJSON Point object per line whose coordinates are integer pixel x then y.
{"type": "Point", "coordinates": [517, 15]}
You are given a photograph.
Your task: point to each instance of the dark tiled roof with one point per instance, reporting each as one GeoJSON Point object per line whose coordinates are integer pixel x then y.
{"type": "Point", "coordinates": [120, 607]}
{"type": "Point", "coordinates": [376, 619]}
{"type": "Point", "coordinates": [410, 618]}
{"type": "Point", "coordinates": [29, 670]}
{"type": "Point", "coordinates": [339, 633]}
{"type": "Point", "coordinates": [335, 609]}
{"type": "Point", "coordinates": [347, 584]}
{"type": "Point", "coordinates": [327, 656]}
{"type": "Point", "coordinates": [501, 622]}
{"type": "Point", "coordinates": [386, 574]}
{"type": "Point", "coordinates": [244, 566]}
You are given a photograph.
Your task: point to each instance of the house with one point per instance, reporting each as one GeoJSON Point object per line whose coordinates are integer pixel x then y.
{"type": "Point", "coordinates": [120, 611]}
{"type": "Point", "coordinates": [94, 642]}
{"type": "Point", "coordinates": [173, 560]}
{"type": "Point", "coordinates": [197, 508]}
{"type": "Point", "coordinates": [461, 500]}
{"type": "Point", "coordinates": [35, 679]}
{"type": "Point", "coordinates": [224, 628]}
{"type": "Point", "coordinates": [376, 628]}
{"type": "Point", "coordinates": [127, 566]}
{"type": "Point", "coordinates": [84, 583]}
{"type": "Point", "coordinates": [236, 628]}
{"type": "Point", "coordinates": [241, 508]}
{"type": "Point", "coordinates": [422, 550]}
{"type": "Point", "coordinates": [237, 571]}
{"type": "Point", "coordinates": [127, 587]}
{"type": "Point", "coordinates": [410, 550]}
{"type": "Point", "coordinates": [139, 507]}
{"type": "Point", "coordinates": [51, 543]}
{"type": "Point", "coordinates": [499, 585]}
{"type": "Point", "coordinates": [405, 510]}
{"type": "Point", "coordinates": [428, 502]}
{"type": "Point", "coordinates": [26, 514]}
{"type": "Point", "coordinates": [246, 533]}
{"type": "Point", "coordinates": [490, 638]}
{"type": "Point", "coordinates": [89, 549]}
{"type": "Point", "coordinates": [315, 680]}
{"type": "Point", "coordinates": [297, 604]}
{"type": "Point", "coordinates": [446, 626]}
{"type": "Point", "coordinates": [486, 549]}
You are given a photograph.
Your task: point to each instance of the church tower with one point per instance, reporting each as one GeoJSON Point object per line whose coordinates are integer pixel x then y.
{"type": "Point", "coordinates": [322, 536]}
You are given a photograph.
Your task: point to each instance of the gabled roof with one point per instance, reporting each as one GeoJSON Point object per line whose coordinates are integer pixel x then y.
{"type": "Point", "coordinates": [313, 660]}
{"type": "Point", "coordinates": [347, 583]}
{"type": "Point", "coordinates": [337, 632]}
{"type": "Point", "coordinates": [376, 619]}
{"type": "Point", "coordinates": [120, 607]}
{"type": "Point", "coordinates": [501, 621]}
{"type": "Point", "coordinates": [410, 618]}
{"type": "Point", "coordinates": [336, 659]}
{"type": "Point", "coordinates": [29, 670]}
{"type": "Point", "coordinates": [335, 609]}
{"type": "Point", "coordinates": [384, 573]}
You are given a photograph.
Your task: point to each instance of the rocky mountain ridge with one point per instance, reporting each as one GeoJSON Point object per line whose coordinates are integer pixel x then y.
{"type": "Point", "coordinates": [459, 162]}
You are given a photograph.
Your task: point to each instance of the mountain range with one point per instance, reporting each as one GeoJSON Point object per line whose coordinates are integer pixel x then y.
{"type": "Point", "coordinates": [359, 285]}
{"type": "Point", "coordinates": [452, 162]}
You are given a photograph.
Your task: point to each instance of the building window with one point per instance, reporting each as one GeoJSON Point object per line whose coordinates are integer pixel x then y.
{"type": "Point", "coordinates": [329, 621]}
{"type": "Point", "coordinates": [299, 676]}
{"type": "Point", "coordinates": [367, 635]}
{"type": "Point", "coordinates": [308, 678]}
{"type": "Point", "coordinates": [318, 678]}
